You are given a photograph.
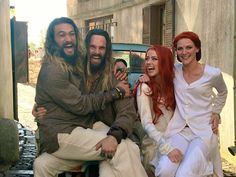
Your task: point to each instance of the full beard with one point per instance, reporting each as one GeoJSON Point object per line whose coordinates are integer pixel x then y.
{"type": "Point", "coordinates": [95, 68]}
{"type": "Point", "coordinates": [70, 59]}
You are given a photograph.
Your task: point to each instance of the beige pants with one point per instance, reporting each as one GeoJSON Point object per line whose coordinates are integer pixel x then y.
{"type": "Point", "coordinates": [148, 151]}
{"type": "Point", "coordinates": [79, 146]}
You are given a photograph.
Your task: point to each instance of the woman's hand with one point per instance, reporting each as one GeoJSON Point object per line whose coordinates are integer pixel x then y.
{"type": "Point", "coordinates": [38, 112]}
{"type": "Point", "coordinates": [175, 156]}
{"type": "Point", "coordinates": [215, 121]}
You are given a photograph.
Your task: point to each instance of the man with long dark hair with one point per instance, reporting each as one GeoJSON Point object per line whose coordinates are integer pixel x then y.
{"type": "Point", "coordinates": [78, 128]}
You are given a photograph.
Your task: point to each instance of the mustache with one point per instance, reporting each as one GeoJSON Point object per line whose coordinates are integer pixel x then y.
{"type": "Point", "coordinates": [64, 45]}
{"type": "Point", "coordinates": [95, 55]}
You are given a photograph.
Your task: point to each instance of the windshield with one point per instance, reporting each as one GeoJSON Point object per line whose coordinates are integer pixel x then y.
{"type": "Point", "coordinates": [134, 60]}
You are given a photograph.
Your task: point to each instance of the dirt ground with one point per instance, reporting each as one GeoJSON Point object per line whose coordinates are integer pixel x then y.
{"type": "Point", "coordinates": [26, 94]}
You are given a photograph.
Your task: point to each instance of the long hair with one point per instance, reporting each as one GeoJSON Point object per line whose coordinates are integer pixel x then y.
{"type": "Point", "coordinates": [193, 37]}
{"type": "Point", "coordinates": [50, 45]}
{"type": "Point", "coordinates": [162, 91]}
{"type": "Point", "coordinates": [107, 72]}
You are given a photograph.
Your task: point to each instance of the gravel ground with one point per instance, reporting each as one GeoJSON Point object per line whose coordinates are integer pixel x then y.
{"type": "Point", "coordinates": [26, 94]}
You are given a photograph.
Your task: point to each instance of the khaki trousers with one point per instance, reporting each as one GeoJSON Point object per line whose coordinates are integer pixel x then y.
{"type": "Point", "coordinates": [79, 146]}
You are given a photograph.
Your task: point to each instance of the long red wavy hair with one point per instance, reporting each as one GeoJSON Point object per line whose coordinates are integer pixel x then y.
{"type": "Point", "coordinates": [163, 89]}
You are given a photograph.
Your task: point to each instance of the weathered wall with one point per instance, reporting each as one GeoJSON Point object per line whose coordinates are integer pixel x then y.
{"type": "Point", "coordinates": [127, 14]}
{"type": "Point", "coordinates": [97, 7]}
{"type": "Point", "coordinates": [214, 22]}
{"type": "Point", "coordinates": [6, 88]}
{"type": "Point", "coordinates": [34, 67]}
{"type": "Point", "coordinates": [129, 24]}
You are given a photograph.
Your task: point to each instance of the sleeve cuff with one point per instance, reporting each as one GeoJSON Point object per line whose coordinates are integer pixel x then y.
{"type": "Point", "coordinates": [118, 133]}
{"type": "Point", "coordinates": [165, 148]}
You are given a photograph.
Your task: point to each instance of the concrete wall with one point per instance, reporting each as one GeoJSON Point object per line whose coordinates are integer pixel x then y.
{"type": "Point", "coordinates": [6, 88]}
{"type": "Point", "coordinates": [129, 24]}
{"type": "Point", "coordinates": [97, 7]}
{"type": "Point", "coordinates": [214, 22]}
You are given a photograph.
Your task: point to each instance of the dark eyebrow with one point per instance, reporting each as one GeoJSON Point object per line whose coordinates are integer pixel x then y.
{"type": "Point", "coordinates": [72, 31]}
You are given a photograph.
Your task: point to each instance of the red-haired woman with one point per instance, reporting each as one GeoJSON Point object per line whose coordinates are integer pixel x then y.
{"type": "Point", "coordinates": [156, 103]}
{"type": "Point", "coordinates": [196, 106]}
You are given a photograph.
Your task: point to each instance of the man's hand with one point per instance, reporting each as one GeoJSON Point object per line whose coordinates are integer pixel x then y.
{"type": "Point", "coordinates": [125, 86]}
{"type": "Point", "coordinates": [38, 112]}
{"type": "Point", "coordinates": [108, 146]}
{"type": "Point", "coordinates": [175, 156]}
{"type": "Point", "coordinates": [215, 121]}
{"type": "Point", "coordinates": [121, 73]}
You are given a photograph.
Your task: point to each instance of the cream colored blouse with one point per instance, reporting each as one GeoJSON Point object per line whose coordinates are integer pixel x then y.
{"type": "Point", "coordinates": [145, 110]}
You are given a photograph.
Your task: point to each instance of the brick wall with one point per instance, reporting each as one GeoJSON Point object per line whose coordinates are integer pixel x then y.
{"type": "Point", "coordinates": [168, 34]}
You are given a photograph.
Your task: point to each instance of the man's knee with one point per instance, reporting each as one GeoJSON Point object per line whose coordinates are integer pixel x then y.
{"type": "Point", "coordinates": [39, 166]}
{"type": "Point", "coordinates": [38, 163]}
{"type": "Point", "coordinates": [42, 166]}
{"type": "Point", "coordinates": [129, 143]}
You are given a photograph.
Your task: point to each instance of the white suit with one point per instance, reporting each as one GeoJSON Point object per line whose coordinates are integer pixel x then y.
{"type": "Point", "coordinates": [195, 104]}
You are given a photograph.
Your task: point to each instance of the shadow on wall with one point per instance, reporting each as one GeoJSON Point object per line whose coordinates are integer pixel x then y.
{"type": "Point", "coordinates": [232, 149]}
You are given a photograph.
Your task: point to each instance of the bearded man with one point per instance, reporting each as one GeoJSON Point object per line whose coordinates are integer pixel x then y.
{"type": "Point", "coordinates": [74, 130]}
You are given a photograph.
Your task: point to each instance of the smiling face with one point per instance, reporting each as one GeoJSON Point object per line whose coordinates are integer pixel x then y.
{"type": "Point", "coordinates": [96, 52]}
{"type": "Point", "coordinates": [151, 63]}
{"type": "Point", "coordinates": [65, 38]}
{"type": "Point", "coordinates": [186, 51]}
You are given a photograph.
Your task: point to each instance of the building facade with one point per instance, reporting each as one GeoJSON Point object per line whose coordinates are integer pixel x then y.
{"type": "Point", "coordinates": [132, 21]}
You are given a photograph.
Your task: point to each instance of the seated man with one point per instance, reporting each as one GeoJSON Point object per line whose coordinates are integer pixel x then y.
{"type": "Point", "coordinates": [120, 65]}
{"type": "Point", "coordinates": [72, 131]}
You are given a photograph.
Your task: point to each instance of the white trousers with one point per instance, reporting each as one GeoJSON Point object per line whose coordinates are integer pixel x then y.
{"type": "Point", "coordinates": [79, 146]}
{"type": "Point", "coordinates": [197, 160]}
